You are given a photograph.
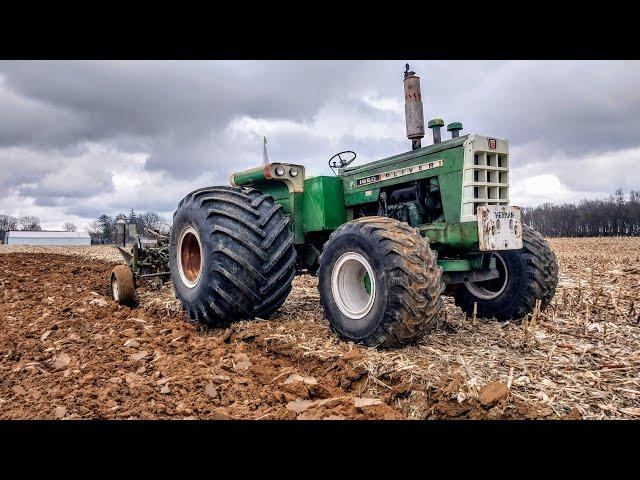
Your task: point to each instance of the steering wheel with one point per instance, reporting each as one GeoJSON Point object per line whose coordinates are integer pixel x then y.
{"type": "Point", "coordinates": [351, 156]}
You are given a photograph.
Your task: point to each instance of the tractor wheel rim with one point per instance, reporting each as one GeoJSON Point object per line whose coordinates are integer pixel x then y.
{"type": "Point", "coordinates": [189, 253]}
{"type": "Point", "coordinates": [114, 289]}
{"type": "Point", "coordinates": [491, 289]}
{"type": "Point", "coordinates": [349, 288]}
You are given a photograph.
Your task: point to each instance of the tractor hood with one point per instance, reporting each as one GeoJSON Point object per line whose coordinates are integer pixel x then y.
{"type": "Point", "coordinates": [419, 152]}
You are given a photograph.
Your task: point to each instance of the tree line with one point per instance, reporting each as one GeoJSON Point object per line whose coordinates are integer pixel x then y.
{"type": "Point", "coordinates": [616, 215]}
{"type": "Point", "coordinates": [103, 228]}
{"type": "Point", "coordinates": [27, 222]}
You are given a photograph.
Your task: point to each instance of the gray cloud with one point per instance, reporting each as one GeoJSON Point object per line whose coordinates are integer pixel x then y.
{"type": "Point", "coordinates": [80, 138]}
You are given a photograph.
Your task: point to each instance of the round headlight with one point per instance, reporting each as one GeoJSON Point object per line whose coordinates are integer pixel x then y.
{"type": "Point", "coordinates": [293, 172]}
{"type": "Point", "coordinates": [280, 171]}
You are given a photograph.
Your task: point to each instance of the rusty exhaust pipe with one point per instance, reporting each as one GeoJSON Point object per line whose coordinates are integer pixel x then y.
{"type": "Point", "coordinates": [413, 112]}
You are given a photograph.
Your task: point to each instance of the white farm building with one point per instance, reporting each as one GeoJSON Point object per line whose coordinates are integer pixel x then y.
{"type": "Point", "coordinates": [47, 238]}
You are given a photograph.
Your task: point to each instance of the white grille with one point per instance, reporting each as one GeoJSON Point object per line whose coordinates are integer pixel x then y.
{"type": "Point", "coordinates": [485, 175]}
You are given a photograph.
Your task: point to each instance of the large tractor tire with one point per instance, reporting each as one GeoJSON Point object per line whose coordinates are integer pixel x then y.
{"type": "Point", "coordinates": [379, 282]}
{"type": "Point", "coordinates": [526, 275]}
{"type": "Point", "coordinates": [231, 254]}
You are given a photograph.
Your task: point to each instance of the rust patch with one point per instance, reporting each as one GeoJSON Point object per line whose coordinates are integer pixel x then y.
{"type": "Point", "coordinates": [499, 228]}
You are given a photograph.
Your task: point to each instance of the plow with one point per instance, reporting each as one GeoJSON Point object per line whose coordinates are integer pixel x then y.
{"type": "Point", "coordinates": [386, 239]}
{"type": "Point", "coordinates": [142, 262]}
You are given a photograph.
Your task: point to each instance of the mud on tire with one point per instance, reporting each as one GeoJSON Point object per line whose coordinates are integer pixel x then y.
{"type": "Point", "coordinates": [231, 254]}
{"type": "Point", "coordinates": [532, 274]}
{"type": "Point", "coordinates": [406, 287]}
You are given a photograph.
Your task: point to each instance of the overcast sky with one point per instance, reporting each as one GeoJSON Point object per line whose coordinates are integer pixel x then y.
{"type": "Point", "coordinates": [78, 139]}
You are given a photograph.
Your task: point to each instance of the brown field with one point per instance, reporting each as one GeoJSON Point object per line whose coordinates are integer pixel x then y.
{"type": "Point", "coordinates": [68, 351]}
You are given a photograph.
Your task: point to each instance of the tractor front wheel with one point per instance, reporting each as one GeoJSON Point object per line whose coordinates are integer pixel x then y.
{"type": "Point", "coordinates": [231, 254]}
{"type": "Point", "coordinates": [379, 282]}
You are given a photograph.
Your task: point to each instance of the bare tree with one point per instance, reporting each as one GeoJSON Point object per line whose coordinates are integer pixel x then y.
{"type": "Point", "coordinates": [165, 227]}
{"type": "Point", "coordinates": [70, 227]}
{"type": "Point", "coordinates": [29, 222]}
{"type": "Point", "coordinates": [151, 220]}
{"type": "Point", "coordinates": [95, 231]}
{"type": "Point", "coordinates": [7, 223]}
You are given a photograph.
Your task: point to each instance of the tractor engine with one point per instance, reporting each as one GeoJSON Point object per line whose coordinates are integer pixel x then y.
{"type": "Point", "coordinates": [416, 203]}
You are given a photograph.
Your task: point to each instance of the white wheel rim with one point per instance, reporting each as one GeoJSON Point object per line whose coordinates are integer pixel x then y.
{"type": "Point", "coordinates": [348, 285]}
{"type": "Point", "coordinates": [115, 289]}
{"type": "Point", "coordinates": [479, 291]}
{"type": "Point", "coordinates": [189, 257]}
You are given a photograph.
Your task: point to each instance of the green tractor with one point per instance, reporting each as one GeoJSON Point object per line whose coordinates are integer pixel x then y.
{"type": "Point", "coordinates": [386, 239]}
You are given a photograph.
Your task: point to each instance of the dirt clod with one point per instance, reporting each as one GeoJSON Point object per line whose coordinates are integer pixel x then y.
{"type": "Point", "coordinates": [211, 390]}
{"type": "Point", "coordinates": [366, 402]}
{"type": "Point", "coordinates": [60, 361]}
{"type": "Point", "coordinates": [18, 390]}
{"type": "Point", "coordinates": [492, 393]}
{"type": "Point", "coordinates": [299, 378]}
{"type": "Point", "coordinates": [220, 379]}
{"type": "Point", "coordinates": [138, 356]}
{"type": "Point", "coordinates": [299, 406]}
{"type": "Point", "coordinates": [99, 302]}
{"type": "Point", "coordinates": [241, 362]}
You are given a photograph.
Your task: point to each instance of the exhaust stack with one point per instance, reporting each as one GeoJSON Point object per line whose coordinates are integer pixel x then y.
{"type": "Point", "coordinates": [454, 128]}
{"type": "Point", "coordinates": [413, 112]}
{"type": "Point", "coordinates": [435, 125]}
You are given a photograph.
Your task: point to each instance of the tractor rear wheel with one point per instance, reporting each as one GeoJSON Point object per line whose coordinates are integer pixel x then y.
{"type": "Point", "coordinates": [122, 285]}
{"type": "Point", "coordinates": [379, 282]}
{"type": "Point", "coordinates": [526, 275]}
{"type": "Point", "coordinates": [231, 254]}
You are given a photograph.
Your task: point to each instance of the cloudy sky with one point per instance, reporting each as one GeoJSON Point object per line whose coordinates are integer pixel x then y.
{"type": "Point", "coordinates": [78, 139]}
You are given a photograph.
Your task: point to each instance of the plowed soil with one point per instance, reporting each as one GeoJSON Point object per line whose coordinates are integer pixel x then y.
{"type": "Point", "coordinates": [68, 351]}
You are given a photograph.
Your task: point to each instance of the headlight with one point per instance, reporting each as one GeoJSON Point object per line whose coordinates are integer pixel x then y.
{"type": "Point", "coordinates": [280, 171]}
{"type": "Point", "coordinates": [293, 172]}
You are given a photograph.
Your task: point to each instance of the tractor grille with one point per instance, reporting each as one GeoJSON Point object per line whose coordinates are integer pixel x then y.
{"type": "Point", "coordinates": [485, 181]}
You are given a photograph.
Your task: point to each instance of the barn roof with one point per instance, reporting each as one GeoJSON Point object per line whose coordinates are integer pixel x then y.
{"type": "Point", "coordinates": [46, 234]}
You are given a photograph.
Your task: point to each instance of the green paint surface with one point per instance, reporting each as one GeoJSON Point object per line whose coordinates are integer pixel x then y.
{"type": "Point", "coordinates": [462, 236]}
{"type": "Point", "coordinates": [367, 283]}
{"type": "Point", "coordinates": [250, 176]}
{"type": "Point", "coordinates": [458, 265]}
{"type": "Point", "coordinates": [473, 262]}
{"type": "Point", "coordinates": [291, 202]}
{"type": "Point", "coordinates": [323, 205]}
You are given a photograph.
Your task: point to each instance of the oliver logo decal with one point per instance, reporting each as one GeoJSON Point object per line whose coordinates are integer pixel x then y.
{"type": "Point", "coordinates": [400, 172]}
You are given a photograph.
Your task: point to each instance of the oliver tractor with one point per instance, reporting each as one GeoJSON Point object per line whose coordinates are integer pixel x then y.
{"type": "Point", "coordinates": [386, 239]}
